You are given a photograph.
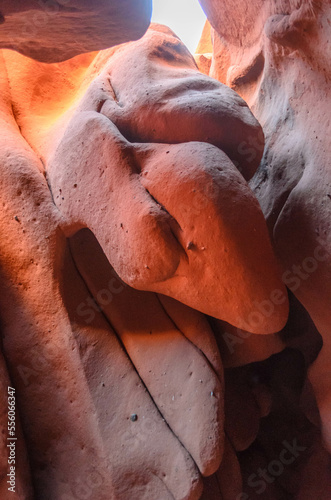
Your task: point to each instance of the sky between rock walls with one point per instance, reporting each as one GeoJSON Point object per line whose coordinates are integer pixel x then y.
{"type": "Point", "coordinates": [185, 17]}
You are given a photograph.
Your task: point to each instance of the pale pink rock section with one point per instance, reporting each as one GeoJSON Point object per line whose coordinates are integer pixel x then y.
{"type": "Point", "coordinates": [276, 55]}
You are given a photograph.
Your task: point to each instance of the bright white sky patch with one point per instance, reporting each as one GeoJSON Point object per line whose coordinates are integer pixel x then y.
{"type": "Point", "coordinates": [185, 17]}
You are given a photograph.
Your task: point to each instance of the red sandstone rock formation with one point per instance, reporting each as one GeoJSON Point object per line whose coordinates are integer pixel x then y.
{"type": "Point", "coordinates": [121, 391]}
{"type": "Point", "coordinates": [275, 54]}
{"type": "Point", "coordinates": [181, 226]}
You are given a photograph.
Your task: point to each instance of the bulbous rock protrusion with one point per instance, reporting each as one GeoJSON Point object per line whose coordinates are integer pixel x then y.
{"type": "Point", "coordinates": [175, 218]}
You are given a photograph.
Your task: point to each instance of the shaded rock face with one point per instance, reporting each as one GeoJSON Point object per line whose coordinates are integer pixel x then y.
{"type": "Point", "coordinates": [276, 55]}
{"type": "Point", "coordinates": [52, 31]}
{"type": "Point", "coordinates": [124, 218]}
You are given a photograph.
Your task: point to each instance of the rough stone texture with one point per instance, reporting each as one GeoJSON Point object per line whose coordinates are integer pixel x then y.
{"type": "Point", "coordinates": [138, 165]}
{"type": "Point", "coordinates": [276, 55]}
{"type": "Point", "coordinates": [55, 30]}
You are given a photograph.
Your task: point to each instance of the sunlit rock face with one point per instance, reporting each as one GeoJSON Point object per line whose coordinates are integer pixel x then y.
{"type": "Point", "coordinates": [125, 217]}
{"type": "Point", "coordinates": [276, 55]}
{"type": "Point", "coordinates": [204, 52]}
{"type": "Point", "coordinates": [52, 31]}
